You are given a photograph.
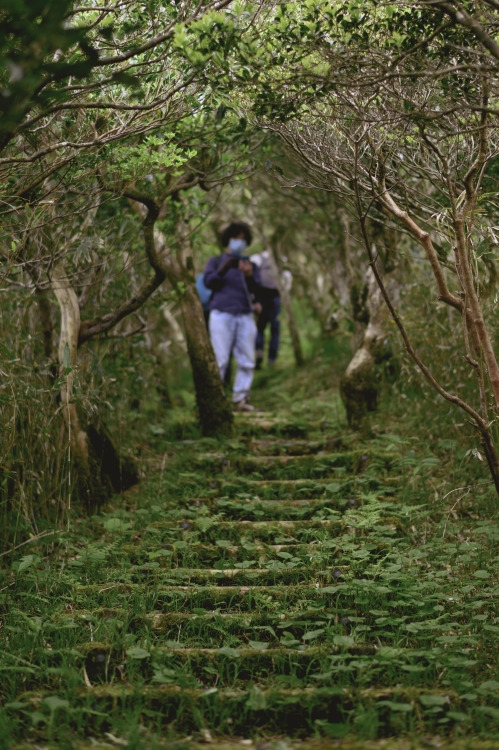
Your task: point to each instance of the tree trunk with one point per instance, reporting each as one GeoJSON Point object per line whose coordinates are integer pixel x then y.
{"type": "Point", "coordinates": [343, 275]}
{"type": "Point", "coordinates": [290, 317]}
{"type": "Point", "coordinates": [68, 354]}
{"type": "Point", "coordinates": [99, 469]}
{"type": "Point", "coordinates": [293, 328]}
{"type": "Point", "coordinates": [215, 412]}
{"type": "Point", "coordinates": [359, 384]}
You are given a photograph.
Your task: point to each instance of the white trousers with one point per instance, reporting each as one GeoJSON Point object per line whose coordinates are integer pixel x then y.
{"type": "Point", "coordinates": [236, 334]}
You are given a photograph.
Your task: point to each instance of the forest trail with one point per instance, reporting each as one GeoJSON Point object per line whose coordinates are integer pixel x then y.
{"type": "Point", "coordinates": [269, 593]}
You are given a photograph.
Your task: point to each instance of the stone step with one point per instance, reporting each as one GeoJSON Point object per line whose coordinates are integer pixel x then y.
{"type": "Point", "coordinates": [254, 506]}
{"type": "Point", "coordinates": [252, 576]}
{"type": "Point", "coordinates": [258, 423]}
{"type": "Point", "coordinates": [274, 531]}
{"type": "Point", "coordinates": [286, 489]}
{"type": "Point", "coordinates": [307, 552]}
{"type": "Point", "coordinates": [205, 737]}
{"type": "Point", "coordinates": [305, 661]}
{"type": "Point", "coordinates": [291, 710]}
{"type": "Point", "coordinates": [234, 622]}
{"type": "Point", "coordinates": [185, 597]}
{"type": "Point", "coordinates": [297, 447]}
{"type": "Point", "coordinates": [296, 467]}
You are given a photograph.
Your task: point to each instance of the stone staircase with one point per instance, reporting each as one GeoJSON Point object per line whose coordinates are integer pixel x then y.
{"type": "Point", "coordinates": [254, 599]}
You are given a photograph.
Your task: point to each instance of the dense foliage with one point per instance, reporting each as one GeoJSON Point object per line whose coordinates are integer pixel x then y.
{"type": "Point", "coordinates": [359, 139]}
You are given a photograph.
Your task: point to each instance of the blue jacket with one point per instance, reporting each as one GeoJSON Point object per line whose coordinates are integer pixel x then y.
{"type": "Point", "coordinates": [231, 290]}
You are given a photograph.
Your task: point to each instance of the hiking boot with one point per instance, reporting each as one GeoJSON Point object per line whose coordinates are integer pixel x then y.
{"type": "Point", "coordinates": [243, 405]}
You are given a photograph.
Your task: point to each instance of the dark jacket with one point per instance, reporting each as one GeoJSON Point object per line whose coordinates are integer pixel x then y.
{"type": "Point", "coordinates": [232, 290]}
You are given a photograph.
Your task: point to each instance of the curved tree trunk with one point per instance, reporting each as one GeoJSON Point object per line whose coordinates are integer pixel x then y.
{"type": "Point", "coordinates": [68, 353]}
{"type": "Point", "coordinates": [99, 468]}
{"type": "Point", "coordinates": [215, 413]}
{"type": "Point", "coordinates": [359, 384]}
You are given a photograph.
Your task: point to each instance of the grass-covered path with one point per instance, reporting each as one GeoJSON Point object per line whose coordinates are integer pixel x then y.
{"type": "Point", "coordinates": [292, 587]}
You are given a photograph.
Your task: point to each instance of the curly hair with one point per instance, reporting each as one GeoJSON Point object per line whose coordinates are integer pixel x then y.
{"type": "Point", "coordinates": [234, 230]}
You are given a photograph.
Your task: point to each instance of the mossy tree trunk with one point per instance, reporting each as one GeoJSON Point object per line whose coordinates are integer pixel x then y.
{"type": "Point", "coordinates": [68, 354]}
{"type": "Point", "coordinates": [215, 413]}
{"type": "Point", "coordinates": [360, 382]}
{"type": "Point", "coordinates": [99, 468]}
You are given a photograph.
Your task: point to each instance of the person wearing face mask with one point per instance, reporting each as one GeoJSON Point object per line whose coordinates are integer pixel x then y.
{"type": "Point", "coordinates": [234, 279]}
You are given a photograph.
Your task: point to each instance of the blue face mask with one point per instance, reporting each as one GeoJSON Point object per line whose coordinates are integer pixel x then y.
{"type": "Point", "coordinates": [237, 246]}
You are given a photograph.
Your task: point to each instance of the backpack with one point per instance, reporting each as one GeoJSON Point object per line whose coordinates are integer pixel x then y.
{"type": "Point", "coordinates": [205, 294]}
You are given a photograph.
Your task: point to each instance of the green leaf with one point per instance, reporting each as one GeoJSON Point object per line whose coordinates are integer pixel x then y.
{"type": "Point", "coordinates": [333, 487]}
{"type": "Point", "coordinates": [27, 562]}
{"type": "Point", "coordinates": [256, 700]}
{"type": "Point", "coordinates": [343, 640]}
{"type": "Point", "coordinates": [398, 707]}
{"type": "Point", "coordinates": [232, 653]}
{"type": "Point", "coordinates": [53, 702]}
{"type": "Point", "coordinates": [433, 700]}
{"type": "Point", "coordinates": [258, 645]}
{"type": "Point", "coordinates": [481, 574]}
{"type": "Point", "coordinates": [457, 715]}
{"type": "Point", "coordinates": [312, 634]}
{"type": "Point", "coordinates": [137, 653]}
{"type": "Point", "coordinates": [116, 524]}
{"type": "Point", "coordinates": [491, 685]}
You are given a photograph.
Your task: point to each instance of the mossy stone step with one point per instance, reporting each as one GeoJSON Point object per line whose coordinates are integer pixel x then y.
{"type": "Point", "coordinates": [209, 553]}
{"type": "Point", "coordinates": [241, 622]}
{"type": "Point", "coordinates": [274, 531]}
{"type": "Point", "coordinates": [233, 665]}
{"type": "Point", "coordinates": [297, 447]}
{"type": "Point", "coordinates": [219, 623]}
{"type": "Point", "coordinates": [265, 655]}
{"type": "Point", "coordinates": [245, 598]}
{"type": "Point", "coordinates": [200, 740]}
{"type": "Point", "coordinates": [230, 621]}
{"type": "Point", "coordinates": [296, 467]}
{"type": "Point", "coordinates": [255, 509]}
{"type": "Point", "coordinates": [226, 665]}
{"type": "Point", "coordinates": [288, 710]}
{"type": "Point", "coordinates": [222, 577]}
{"type": "Point", "coordinates": [287, 489]}
{"type": "Point", "coordinates": [303, 654]}
{"type": "Point", "coordinates": [258, 423]}
{"type": "Point", "coordinates": [250, 503]}
{"type": "Point", "coordinates": [291, 509]}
